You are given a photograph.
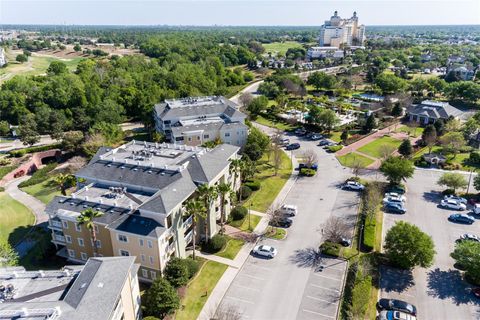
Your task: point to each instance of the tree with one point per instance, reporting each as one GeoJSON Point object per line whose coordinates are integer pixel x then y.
{"type": "Point", "coordinates": [370, 123]}
{"type": "Point", "coordinates": [269, 89]}
{"type": "Point", "coordinates": [406, 149]}
{"type": "Point", "coordinates": [208, 194]}
{"type": "Point", "coordinates": [4, 128]}
{"type": "Point", "coordinates": [396, 169]}
{"type": "Point", "coordinates": [389, 83]}
{"type": "Point", "coordinates": [28, 130]}
{"type": "Point", "coordinates": [77, 47]}
{"type": "Point", "coordinates": [21, 58]}
{"type": "Point", "coordinates": [245, 98]}
{"type": "Point", "coordinates": [257, 106]}
{"type": "Point", "coordinates": [257, 142]}
{"type": "Point", "coordinates": [335, 228]}
{"type": "Point", "coordinates": [453, 142]}
{"type": "Point", "coordinates": [57, 67]}
{"type": "Point", "coordinates": [72, 141]}
{"type": "Point", "coordinates": [397, 110]}
{"type": "Point", "coordinates": [87, 218]}
{"type": "Point", "coordinates": [453, 181]}
{"type": "Point", "coordinates": [8, 255]}
{"type": "Point", "coordinates": [327, 120]}
{"type": "Point", "coordinates": [386, 150]}
{"type": "Point", "coordinates": [223, 190]}
{"type": "Point", "coordinates": [357, 165]}
{"type": "Point", "coordinates": [467, 255]}
{"type": "Point", "coordinates": [406, 246]}
{"type": "Point", "coordinates": [322, 80]}
{"type": "Point", "coordinates": [429, 137]}
{"type": "Point", "coordinates": [64, 181]}
{"type": "Point", "coordinates": [344, 136]}
{"type": "Point", "coordinates": [176, 272]}
{"type": "Point", "coordinates": [194, 209]}
{"type": "Point", "coordinates": [161, 299]}
{"type": "Point", "coordinates": [309, 157]}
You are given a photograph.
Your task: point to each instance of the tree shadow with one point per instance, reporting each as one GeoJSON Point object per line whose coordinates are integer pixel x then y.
{"type": "Point", "coordinates": [395, 280]}
{"type": "Point", "coordinates": [306, 258]}
{"type": "Point", "coordinates": [448, 284]}
{"type": "Point", "coordinates": [432, 196]}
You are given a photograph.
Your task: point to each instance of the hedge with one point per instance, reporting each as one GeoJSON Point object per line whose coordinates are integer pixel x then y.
{"type": "Point", "coordinates": [246, 192]}
{"type": "Point", "coordinates": [4, 170]}
{"type": "Point", "coordinates": [369, 234]}
{"type": "Point", "coordinates": [335, 148]}
{"type": "Point", "coordinates": [38, 176]}
{"type": "Point", "coordinates": [307, 172]}
{"type": "Point", "coordinates": [330, 249]}
{"type": "Point", "coordinates": [254, 185]}
{"type": "Point", "coordinates": [21, 152]}
{"type": "Point", "coordinates": [238, 213]}
{"type": "Point", "coordinates": [216, 243]}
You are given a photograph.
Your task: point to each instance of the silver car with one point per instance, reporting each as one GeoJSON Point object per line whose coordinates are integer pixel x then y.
{"type": "Point", "coordinates": [265, 251]}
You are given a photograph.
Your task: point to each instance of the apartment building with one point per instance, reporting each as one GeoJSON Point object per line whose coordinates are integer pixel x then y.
{"type": "Point", "coordinates": [196, 120]}
{"type": "Point", "coordinates": [141, 189]}
{"type": "Point", "coordinates": [102, 289]}
{"type": "Point", "coordinates": [338, 32]}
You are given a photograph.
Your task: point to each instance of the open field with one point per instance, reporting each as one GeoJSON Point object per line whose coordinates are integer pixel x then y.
{"type": "Point", "coordinates": [44, 191]}
{"type": "Point", "coordinates": [414, 132]}
{"type": "Point", "coordinates": [13, 214]}
{"type": "Point", "coordinates": [280, 47]}
{"type": "Point", "coordinates": [374, 148]}
{"type": "Point", "coordinates": [352, 158]}
{"type": "Point", "coordinates": [277, 124]}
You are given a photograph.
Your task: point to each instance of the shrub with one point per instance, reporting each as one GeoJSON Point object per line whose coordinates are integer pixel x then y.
{"type": "Point", "coordinates": [216, 243]}
{"type": "Point", "coordinates": [150, 318]}
{"type": "Point", "coordinates": [38, 176]}
{"type": "Point", "coordinates": [307, 172]}
{"type": "Point", "coordinates": [330, 249]}
{"type": "Point", "coordinates": [176, 272]}
{"type": "Point", "coordinates": [17, 153]}
{"type": "Point", "coordinates": [238, 213]}
{"type": "Point", "coordinates": [422, 163]}
{"type": "Point", "coordinates": [333, 149]}
{"type": "Point", "coordinates": [161, 299]}
{"type": "Point", "coordinates": [4, 170]}
{"type": "Point", "coordinates": [193, 266]}
{"type": "Point", "coordinates": [246, 192]}
{"type": "Point", "coordinates": [253, 185]}
{"type": "Point", "coordinates": [2, 189]}
{"type": "Point", "coordinates": [369, 234]}
{"type": "Point", "coordinates": [474, 158]}
{"type": "Point", "coordinates": [21, 152]}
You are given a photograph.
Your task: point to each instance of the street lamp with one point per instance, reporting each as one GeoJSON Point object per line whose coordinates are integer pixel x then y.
{"type": "Point", "coordinates": [249, 209]}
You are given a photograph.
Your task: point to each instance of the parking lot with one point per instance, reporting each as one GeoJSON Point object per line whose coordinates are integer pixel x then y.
{"type": "Point", "coordinates": [439, 291]}
{"type": "Point", "coordinates": [292, 286]}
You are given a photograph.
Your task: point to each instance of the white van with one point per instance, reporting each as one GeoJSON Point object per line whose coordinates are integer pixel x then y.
{"type": "Point", "coordinates": [289, 210]}
{"type": "Point", "coordinates": [476, 208]}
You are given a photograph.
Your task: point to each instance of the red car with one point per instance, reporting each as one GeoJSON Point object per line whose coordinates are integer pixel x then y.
{"type": "Point", "coordinates": [476, 292]}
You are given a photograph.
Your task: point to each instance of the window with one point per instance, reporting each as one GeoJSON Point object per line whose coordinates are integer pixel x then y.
{"type": "Point", "coordinates": [206, 136]}
{"type": "Point", "coordinates": [71, 253]}
{"type": "Point", "coordinates": [124, 253]}
{"type": "Point", "coordinates": [151, 260]}
{"type": "Point", "coordinates": [198, 138]}
{"type": "Point", "coordinates": [140, 241]}
{"type": "Point", "coordinates": [80, 242]}
{"type": "Point", "coordinates": [153, 275]}
{"type": "Point", "coordinates": [189, 138]}
{"type": "Point", "coordinates": [65, 224]}
{"type": "Point", "coordinates": [145, 273]}
{"type": "Point", "coordinates": [99, 243]}
{"type": "Point", "coordinates": [227, 134]}
{"type": "Point", "coordinates": [122, 238]}
{"type": "Point", "coordinates": [142, 257]}
{"type": "Point", "coordinates": [150, 244]}
{"type": "Point", "coordinates": [68, 239]}
{"type": "Point", "coordinates": [78, 227]}
{"type": "Point", "coordinates": [83, 255]}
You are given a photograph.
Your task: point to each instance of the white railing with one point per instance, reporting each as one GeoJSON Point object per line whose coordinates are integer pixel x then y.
{"type": "Point", "coordinates": [59, 238]}
{"type": "Point", "coordinates": [171, 247]}
{"type": "Point", "coordinates": [56, 224]}
{"type": "Point", "coordinates": [187, 223]}
{"type": "Point", "coordinates": [189, 237]}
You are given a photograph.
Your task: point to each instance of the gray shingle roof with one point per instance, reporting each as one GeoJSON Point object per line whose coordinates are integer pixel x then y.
{"type": "Point", "coordinates": [177, 131]}
{"type": "Point", "coordinates": [434, 110]}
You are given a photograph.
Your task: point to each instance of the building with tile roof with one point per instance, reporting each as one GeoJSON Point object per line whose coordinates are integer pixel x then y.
{"type": "Point", "coordinates": [428, 112]}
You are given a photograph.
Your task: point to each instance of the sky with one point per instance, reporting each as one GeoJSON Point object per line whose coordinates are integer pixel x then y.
{"type": "Point", "coordinates": [235, 12]}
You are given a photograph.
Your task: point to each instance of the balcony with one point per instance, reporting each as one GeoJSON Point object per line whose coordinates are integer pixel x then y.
{"type": "Point", "coordinates": [55, 224]}
{"type": "Point", "coordinates": [189, 237]}
{"type": "Point", "coordinates": [187, 223]}
{"type": "Point", "coordinates": [171, 247]}
{"type": "Point", "coordinates": [59, 238]}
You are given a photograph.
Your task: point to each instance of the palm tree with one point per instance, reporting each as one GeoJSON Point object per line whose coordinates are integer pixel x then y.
{"type": "Point", "coordinates": [64, 181]}
{"type": "Point", "coordinates": [235, 169]}
{"type": "Point", "coordinates": [208, 194]}
{"type": "Point", "coordinates": [223, 190]}
{"type": "Point", "coordinates": [86, 218]}
{"type": "Point", "coordinates": [195, 209]}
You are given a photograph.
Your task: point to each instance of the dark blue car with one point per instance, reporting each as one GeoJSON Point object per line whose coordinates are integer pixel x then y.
{"type": "Point", "coordinates": [293, 146]}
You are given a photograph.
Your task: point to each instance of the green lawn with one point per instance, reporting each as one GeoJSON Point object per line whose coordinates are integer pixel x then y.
{"type": "Point", "coordinates": [270, 184]}
{"type": "Point", "coordinates": [13, 215]}
{"type": "Point", "coordinates": [351, 158]}
{"type": "Point", "coordinates": [243, 224]}
{"type": "Point", "coordinates": [414, 132]}
{"type": "Point", "coordinates": [374, 148]}
{"type": "Point", "coordinates": [44, 191]}
{"type": "Point", "coordinates": [277, 233]}
{"type": "Point", "coordinates": [280, 47]}
{"type": "Point", "coordinates": [4, 170]}
{"type": "Point", "coordinates": [199, 289]}
{"type": "Point", "coordinates": [231, 249]}
{"type": "Point", "coordinates": [335, 136]}
{"type": "Point", "coordinates": [271, 124]}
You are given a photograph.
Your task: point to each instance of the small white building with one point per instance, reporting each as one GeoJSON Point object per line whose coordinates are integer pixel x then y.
{"type": "Point", "coordinates": [324, 52]}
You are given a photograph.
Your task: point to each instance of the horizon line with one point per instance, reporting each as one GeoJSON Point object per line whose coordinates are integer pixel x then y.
{"type": "Point", "coordinates": [222, 26]}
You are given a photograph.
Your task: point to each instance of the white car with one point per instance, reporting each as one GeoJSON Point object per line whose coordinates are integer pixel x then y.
{"type": "Point", "coordinates": [265, 251]}
{"type": "Point", "coordinates": [353, 185]}
{"type": "Point", "coordinates": [455, 198]}
{"type": "Point", "coordinates": [395, 315]}
{"type": "Point", "coordinates": [396, 195]}
{"type": "Point", "coordinates": [452, 204]}
{"type": "Point", "coordinates": [391, 199]}
{"type": "Point", "coordinates": [289, 210]}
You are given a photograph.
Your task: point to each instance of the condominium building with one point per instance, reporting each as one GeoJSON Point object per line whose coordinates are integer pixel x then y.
{"type": "Point", "coordinates": [141, 189]}
{"type": "Point", "coordinates": [194, 121]}
{"type": "Point", "coordinates": [338, 32]}
{"type": "Point", "coordinates": [103, 289]}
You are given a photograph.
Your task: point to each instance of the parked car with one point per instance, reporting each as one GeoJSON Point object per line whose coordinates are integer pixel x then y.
{"type": "Point", "coordinates": [323, 143]}
{"type": "Point", "coordinates": [301, 131]}
{"type": "Point", "coordinates": [396, 305]}
{"type": "Point", "coordinates": [316, 136]}
{"type": "Point", "coordinates": [289, 210]}
{"type": "Point", "coordinates": [455, 198]}
{"type": "Point", "coordinates": [293, 146]}
{"type": "Point", "coordinates": [391, 199]}
{"type": "Point", "coordinates": [284, 142]}
{"type": "Point", "coordinates": [462, 218]}
{"type": "Point", "coordinates": [453, 205]}
{"type": "Point", "coordinates": [476, 208]}
{"type": "Point", "coordinates": [468, 237]}
{"type": "Point", "coordinates": [345, 242]}
{"type": "Point", "coordinates": [283, 222]}
{"type": "Point", "coordinates": [396, 195]}
{"type": "Point", "coordinates": [353, 185]}
{"type": "Point", "coordinates": [395, 315]}
{"type": "Point", "coordinates": [396, 188]}
{"type": "Point", "coordinates": [265, 251]}
{"type": "Point", "coordinates": [395, 208]}
{"type": "Point", "coordinates": [476, 292]}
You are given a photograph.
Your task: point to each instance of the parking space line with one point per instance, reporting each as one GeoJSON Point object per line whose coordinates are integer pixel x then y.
{"type": "Point", "coordinates": [253, 277]}
{"type": "Point", "coordinates": [329, 267]}
{"type": "Point", "coordinates": [318, 299]}
{"type": "Point", "coordinates": [317, 286]}
{"type": "Point", "coordinates": [245, 287]}
{"type": "Point", "coordinates": [314, 312]}
{"type": "Point", "coordinates": [238, 299]}
{"type": "Point", "coordinates": [259, 267]}
{"type": "Point", "coordinates": [320, 275]}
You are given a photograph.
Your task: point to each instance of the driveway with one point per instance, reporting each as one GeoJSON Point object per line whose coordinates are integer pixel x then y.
{"type": "Point", "coordinates": [292, 286]}
{"type": "Point", "coordinates": [438, 292]}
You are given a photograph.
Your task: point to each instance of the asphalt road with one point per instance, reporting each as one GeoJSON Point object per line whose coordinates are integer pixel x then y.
{"type": "Point", "coordinates": [291, 286]}
{"type": "Point", "coordinates": [438, 292]}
